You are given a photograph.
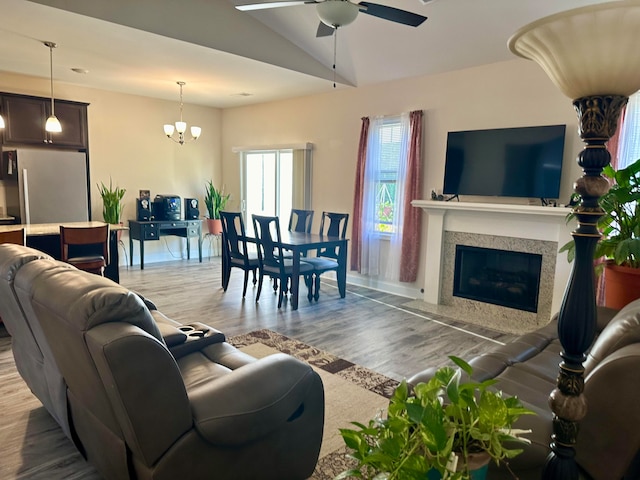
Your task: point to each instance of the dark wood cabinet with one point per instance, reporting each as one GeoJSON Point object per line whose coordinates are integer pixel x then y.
{"type": "Point", "coordinates": [25, 118]}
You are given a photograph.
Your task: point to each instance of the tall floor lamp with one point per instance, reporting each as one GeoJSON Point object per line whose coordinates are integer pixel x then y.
{"type": "Point", "coordinates": [592, 55]}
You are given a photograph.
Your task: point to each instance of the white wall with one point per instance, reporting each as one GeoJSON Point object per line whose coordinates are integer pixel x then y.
{"type": "Point", "coordinates": [506, 94]}
{"type": "Point", "coordinates": [127, 143]}
{"type": "Point", "coordinates": [126, 140]}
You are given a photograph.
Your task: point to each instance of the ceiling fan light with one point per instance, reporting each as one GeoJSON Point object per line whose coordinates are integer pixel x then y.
{"type": "Point", "coordinates": [195, 132]}
{"type": "Point", "coordinates": [337, 13]}
{"type": "Point", "coordinates": [53, 125]}
{"type": "Point", "coordinates": [181, 127]}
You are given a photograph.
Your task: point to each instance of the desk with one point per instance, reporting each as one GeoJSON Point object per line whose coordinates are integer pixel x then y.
{"type": "Point", "coordinates": [301, 242]}
{"type": "Point", "coordinates": [46, 238]}
{"type": "Point", "coordinates": [144, 231]}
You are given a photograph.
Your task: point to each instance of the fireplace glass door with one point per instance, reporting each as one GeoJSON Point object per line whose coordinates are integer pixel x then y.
{"type": "Point", "coordinates": [500, 277]}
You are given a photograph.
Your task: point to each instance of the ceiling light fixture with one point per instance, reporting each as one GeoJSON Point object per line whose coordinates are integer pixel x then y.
{"type": "Point", "coordinates": [181, 126]}
{"type": "Point", "coordinates": [53, 124]}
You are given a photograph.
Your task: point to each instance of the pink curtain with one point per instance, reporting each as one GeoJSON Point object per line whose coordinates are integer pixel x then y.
{"type": "Point", "coordinates": [412, 222]}
{"type": "Point", "coordinates": [356, 224]}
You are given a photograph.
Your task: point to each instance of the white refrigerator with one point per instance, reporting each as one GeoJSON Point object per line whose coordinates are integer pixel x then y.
{"type": "Point", "coordinates": [52, 184]}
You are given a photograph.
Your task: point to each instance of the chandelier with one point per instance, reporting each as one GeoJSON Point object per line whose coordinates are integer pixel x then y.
{"type": "Point", "coordinates": [181, 126]}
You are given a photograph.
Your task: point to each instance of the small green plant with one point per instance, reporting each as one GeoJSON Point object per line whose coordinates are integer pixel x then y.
{"type": "Point", "coordinates": [111, 202]}
{"type": "Point", "coordinates": [436, 429]}
{"type": "Point", "coordinates": [620, 224]}
{"type": "Point", "coordinates": [215, 200]}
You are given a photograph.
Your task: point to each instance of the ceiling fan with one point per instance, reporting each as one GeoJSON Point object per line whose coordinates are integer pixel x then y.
{"type": "Point", "coordinates": [337, 13]}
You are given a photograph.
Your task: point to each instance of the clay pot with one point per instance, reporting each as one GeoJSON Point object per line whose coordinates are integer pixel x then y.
{"type": "Point", "coordinates": [214, 226]}
{"type": "Point", "coordinates": [621, 285]}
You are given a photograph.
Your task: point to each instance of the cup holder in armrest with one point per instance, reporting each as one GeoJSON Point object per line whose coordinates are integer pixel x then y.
{"type": "Point", "coordinates": [198, 335]}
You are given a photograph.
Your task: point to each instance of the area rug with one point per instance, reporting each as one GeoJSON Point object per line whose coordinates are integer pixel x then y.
{"type": "Point", "coordinates": [352, 392]}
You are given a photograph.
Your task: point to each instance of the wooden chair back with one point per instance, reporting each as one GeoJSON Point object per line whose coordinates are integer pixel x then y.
{"type": "Point", "coordinates": [234, 235]}
{"type": "Point", "coordinates": [13, 236]}
{"type": "Point", "coordinates": [300, 220]}
{"type": "Point", "coordinates": [333, 225]}
{"type": "Point", "coordinates": [267, 231]}
{"type": "Point", "coordinates": [71, 237]}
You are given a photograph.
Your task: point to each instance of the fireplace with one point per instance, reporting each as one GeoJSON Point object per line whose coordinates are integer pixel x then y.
{"type": "Point", "coordinates": [500, 277]}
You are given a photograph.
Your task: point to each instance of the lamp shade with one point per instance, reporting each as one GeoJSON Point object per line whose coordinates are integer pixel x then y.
{"type": "Point", "coordinates": [1, 122]}
{"type": "Point", "coordinates": [337, 14]}
{"type": "Point", "coordinates": [53, 125]}
{"type": "Point", "coordinates": [587, 51]}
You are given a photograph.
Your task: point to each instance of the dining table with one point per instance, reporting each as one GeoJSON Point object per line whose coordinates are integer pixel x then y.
{"type": "Point", "coordinates": [300, 243]}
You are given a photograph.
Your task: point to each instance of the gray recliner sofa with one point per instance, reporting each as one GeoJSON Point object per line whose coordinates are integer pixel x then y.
{"type": "Point", "coordinates": [152, 399]}
{"type": "Point", "coordinates": [609, 437]}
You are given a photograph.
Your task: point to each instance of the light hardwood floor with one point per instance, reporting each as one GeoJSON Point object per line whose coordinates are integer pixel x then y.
{"type": "Point", "coordinates": [367, 327]}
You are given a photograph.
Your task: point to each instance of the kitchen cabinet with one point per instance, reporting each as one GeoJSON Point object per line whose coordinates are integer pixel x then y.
{"type": "Point", "coordinates": [25, 118]}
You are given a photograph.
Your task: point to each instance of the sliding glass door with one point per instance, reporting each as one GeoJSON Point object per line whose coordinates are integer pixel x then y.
{"type": "Point", "coordinates": [274, 182]}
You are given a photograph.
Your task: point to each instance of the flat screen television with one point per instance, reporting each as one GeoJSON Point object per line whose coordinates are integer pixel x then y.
{"type": "Point", "coordinates": [506, 162]}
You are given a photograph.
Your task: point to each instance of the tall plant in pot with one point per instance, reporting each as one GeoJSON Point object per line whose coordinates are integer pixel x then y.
{"type": "Point", "coordinates": [620, 244]}
{"type": "Point", "coordinates": [215, 200]}
{"type": "Point", "coordinates": [111, 202]}
{"type": "Point", "coordinates": [445, 429]}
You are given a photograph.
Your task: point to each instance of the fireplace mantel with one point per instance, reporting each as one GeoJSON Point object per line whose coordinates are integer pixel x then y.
{"type": "Point", "coordinates": [504, 220]}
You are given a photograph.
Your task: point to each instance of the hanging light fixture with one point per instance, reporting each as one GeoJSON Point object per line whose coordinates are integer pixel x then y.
{"type": "Point", "coordinates": [181, 126]}
{"type": "Point", "coordinates": [53, 124]}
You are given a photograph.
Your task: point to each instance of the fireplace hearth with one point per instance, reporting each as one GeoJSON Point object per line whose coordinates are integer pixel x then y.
{"type": "Point", "coordinates": [506, 278]}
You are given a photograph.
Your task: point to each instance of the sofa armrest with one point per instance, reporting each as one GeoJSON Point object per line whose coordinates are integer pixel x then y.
{"type": "Point", "coordinates": [253, 400]}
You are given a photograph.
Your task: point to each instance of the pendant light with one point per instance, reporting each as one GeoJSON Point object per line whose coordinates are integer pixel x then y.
{"type": "Point", "coordinates": [181, 126]}
{"type": "Point", "coordinates": [53, 124]}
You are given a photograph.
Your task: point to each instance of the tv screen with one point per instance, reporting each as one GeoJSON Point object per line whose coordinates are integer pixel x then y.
{"type": "Point", "coordinates": [508, 162]}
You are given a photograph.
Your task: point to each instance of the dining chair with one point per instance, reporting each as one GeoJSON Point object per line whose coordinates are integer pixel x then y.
{"type": "Point", "coordinates": [86, 248]}
{"type": "Point", "coordinates": [235, 251]}
{"type": "Point", "coordinates": [300, 220]}
{"type": "Point", "coordinates": [13, 236]}
{"type": "Point", "coordinates": [271, 256]}
{"type": "Point", "coordinates": [333, 225]}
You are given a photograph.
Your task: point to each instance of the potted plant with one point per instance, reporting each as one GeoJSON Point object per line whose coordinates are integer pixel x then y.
{"type": "Point", "coordinates": [111, 202]}
{"type": "Point", "coordinates": [437, 431]}
{"type": "Point", "coordinates": [215, 200]}
{"type": "Point", "coordinates": [620, 244]}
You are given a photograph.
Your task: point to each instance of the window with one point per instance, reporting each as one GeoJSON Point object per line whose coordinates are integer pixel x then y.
{"type": "Point", "coordinates": [388, 139]}
{"type": "Point", "coordinates": [629, 146]}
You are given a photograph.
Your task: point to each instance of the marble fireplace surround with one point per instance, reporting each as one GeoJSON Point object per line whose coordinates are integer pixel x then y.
{"type": "Point", "coordinates": [523, 228]}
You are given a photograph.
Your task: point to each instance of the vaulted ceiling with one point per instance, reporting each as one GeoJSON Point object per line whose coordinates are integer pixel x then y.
{"type": "Point", "coordinates": [231, 58]}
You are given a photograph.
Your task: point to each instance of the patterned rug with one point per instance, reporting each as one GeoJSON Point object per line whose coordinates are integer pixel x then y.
{"type": "Point", "coordinates": [352, 392]}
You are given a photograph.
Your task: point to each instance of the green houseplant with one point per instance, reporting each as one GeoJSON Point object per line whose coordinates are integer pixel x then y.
{"type": "Point", "coordinates": [427, 435]}
{"type": "Point", "coordinates": [620, 227]}
{"type": "Point", "coordinates": [215, 200]}
{"type": "Point", "coordinates": [111, 202]}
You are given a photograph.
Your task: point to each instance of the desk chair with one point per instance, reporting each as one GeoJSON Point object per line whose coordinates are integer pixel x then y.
{"type": "Point", "coordinates": [270, 254]}
{"type": "Point", "coordinates": [234, 250]}
{"type": "Point", "coordinates": [73, 247]}
{"type": "Point", "coordinates": [326, 259]}
{"type": "Point", "coordinates": [13, 236]}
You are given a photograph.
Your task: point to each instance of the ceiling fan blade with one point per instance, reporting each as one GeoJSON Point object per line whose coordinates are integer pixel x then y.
{"type": "Point", "coordinates": [391, 13]}
{"type": "Point", "coordinates": [263, 6]}
{"type": "Point", "coordinates": [324, 30]}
